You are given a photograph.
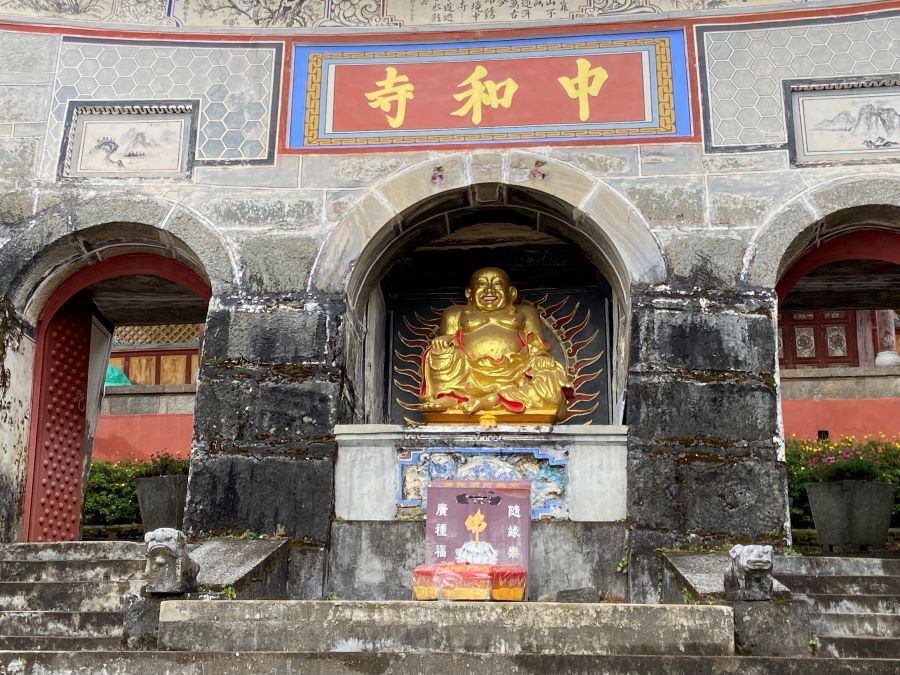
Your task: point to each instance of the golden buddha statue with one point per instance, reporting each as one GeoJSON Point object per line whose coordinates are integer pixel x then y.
{"type": "Point", "coordinates": [490, 360]}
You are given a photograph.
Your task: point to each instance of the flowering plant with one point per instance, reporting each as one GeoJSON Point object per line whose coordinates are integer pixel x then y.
{"type": "Point", "coordinates": [876, 459]}
{"type": "Point", "coordinates": [872, 458]}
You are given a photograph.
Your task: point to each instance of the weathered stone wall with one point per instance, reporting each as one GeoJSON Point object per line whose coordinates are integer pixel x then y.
{"type": "Point", "coordinates": [704, 435]}
{"type": "Point", "coordinates": [267, 401]}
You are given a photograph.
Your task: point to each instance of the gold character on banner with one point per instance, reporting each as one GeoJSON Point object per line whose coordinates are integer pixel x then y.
{"type": "Point", "coordinates": [395, 90]}
{"type": "Point", "coordinates": [586, 83]}
{"type": "Point", "coordinates": [476, 524]}
{"type": "Point", "coordinates": [482, 93]}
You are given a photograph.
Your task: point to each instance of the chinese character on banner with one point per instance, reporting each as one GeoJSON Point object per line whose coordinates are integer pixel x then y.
{"type": "Point", "coordinates": [395, 90]}
{"type": "Point", "coordinates": [483, 92]}
{"type": "Point", "coordinates": [586, 83]}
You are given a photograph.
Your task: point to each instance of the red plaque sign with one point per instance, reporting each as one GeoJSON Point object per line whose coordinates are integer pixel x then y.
{"type": "Point", "coordinates": [532, 90]}
{"type": "Point", "coordinates": [478, 522]}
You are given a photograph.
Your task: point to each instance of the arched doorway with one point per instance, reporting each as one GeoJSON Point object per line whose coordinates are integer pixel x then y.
{"type": "Point", "coordinates": [72, 343]}
{"type": "Point", "coordinates": [838, 298]}
{"type": "Point", "coordinates": [425, 254]}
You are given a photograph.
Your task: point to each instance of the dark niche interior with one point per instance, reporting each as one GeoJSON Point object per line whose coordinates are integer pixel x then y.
{"type": "Point", "coordinates": [572, 295]}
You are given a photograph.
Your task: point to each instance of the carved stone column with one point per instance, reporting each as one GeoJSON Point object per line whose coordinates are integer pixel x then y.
{"type": "Point", "coordinates": [887, 341]}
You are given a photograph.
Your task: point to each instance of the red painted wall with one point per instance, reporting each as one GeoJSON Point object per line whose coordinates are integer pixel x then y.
{"type": "Point", "coordinates": [857, 417]}
{"type": "Point", "coordinates": [141, 436]}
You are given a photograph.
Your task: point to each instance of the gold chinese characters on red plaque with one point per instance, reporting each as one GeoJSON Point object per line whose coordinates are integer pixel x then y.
{"type": "Point", "coordinates": [522, 90]}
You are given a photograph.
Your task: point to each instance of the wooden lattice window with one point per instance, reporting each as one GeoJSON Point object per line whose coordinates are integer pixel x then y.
{"type": "Point", "coordinates": [157, 335]}
{"type": "Point", "coordinates": [822, 339]}
{"type": "Point", "coordinates": [170, 366]}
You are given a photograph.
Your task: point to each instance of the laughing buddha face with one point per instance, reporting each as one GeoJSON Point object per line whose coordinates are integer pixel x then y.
{"type": "Point", "coordinates": [489, 289]}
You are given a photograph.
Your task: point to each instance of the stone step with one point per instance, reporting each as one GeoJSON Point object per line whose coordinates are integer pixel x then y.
{"type": "Point", "coordinates": [72, 624]}
{"type": "Point", "coordinates": [231, 663]}
{"type": "Point", "coordinates": [858, 625]}
{"type": "Point", "coordinates": [75, 550]}
{"type": "Point", "coordinates": [71, 570]}
{"type": "Point", "coordinates": [446, 627]}
{"type": "Point", "coordinates": [29, 643]}
{"type": "Point", "coordinates": [835, 566]}
{"type": "Point", "coordinates": [855, 604]}
{"type": "Point", "coordinates": [842, 585]}
{"type": "Point", "coordinates": [848, 647]}
{"type": "Point", "coordinates": [75, 596]}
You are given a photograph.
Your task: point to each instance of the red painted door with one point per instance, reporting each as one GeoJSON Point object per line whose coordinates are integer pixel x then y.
{"type": "Point", "coordinates": [58, 464]}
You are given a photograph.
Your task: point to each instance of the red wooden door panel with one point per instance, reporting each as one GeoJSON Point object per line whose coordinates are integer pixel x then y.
{"type": "Point", "coordinates": [58, 469]}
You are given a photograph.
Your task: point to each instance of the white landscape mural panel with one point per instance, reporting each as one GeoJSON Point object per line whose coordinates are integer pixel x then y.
{"type": "Point", "coordinates": [847, 125]}
{"type": "Point", "coordinates": [138, 146]}
{"type": "Point", "coordinates": [139, 140]}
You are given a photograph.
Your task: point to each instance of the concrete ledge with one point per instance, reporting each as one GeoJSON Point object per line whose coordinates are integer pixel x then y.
{"type": "Point", "coordinates": [75, 550]}
{"type": "Point", "coordinates": [150, 389]}
{"type": "Point", "coordinates": [840, 383]}
{"type": "Point", "coordinates": [255, 568]}
{"type": "Point", "coordinates": [446, 628]}
{"type": "Point", "coordinates": [701, 576]}
{"type": "Point", "coordinates": [229, 663]}
{"type": "Point", "coordinates": [367, 465]}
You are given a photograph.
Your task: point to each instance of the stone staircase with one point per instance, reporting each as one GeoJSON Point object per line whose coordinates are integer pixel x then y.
{"type": "Point", "coordinates": [66, 596]}
{"type": "Point", "coordinates": [855, 603]}
{"type": "Point", "coordinates": [61, 610]}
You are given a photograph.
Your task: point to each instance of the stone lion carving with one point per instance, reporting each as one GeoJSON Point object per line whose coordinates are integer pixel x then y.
{"type": "Point", "coordinates": [169, 568]}
{"type": "Point", "coordinates": [750, 575]}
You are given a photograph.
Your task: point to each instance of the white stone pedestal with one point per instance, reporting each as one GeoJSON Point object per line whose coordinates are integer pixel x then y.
{"type": "Point", "coordinates": [367, 470]}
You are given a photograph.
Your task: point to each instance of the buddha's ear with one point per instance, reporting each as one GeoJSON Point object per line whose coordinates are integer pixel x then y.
{"type": "Point", "coordinates": [469, 294]}
{"type": "Point", "coordinates": [513, 294]}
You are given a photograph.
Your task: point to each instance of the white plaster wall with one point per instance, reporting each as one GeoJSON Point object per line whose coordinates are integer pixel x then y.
{"type": "Point", "coordinates": [15, 413]}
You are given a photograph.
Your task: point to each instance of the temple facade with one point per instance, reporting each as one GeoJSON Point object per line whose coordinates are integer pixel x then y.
{"type": "Point", "coordinates": [697, 204]}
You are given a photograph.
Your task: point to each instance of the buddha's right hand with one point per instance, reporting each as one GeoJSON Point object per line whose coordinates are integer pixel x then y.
{"type": "Point", "coordinates": [443, 344]}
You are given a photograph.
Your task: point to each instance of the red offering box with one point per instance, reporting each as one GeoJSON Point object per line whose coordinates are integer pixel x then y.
{"type": "Point", "coordinates": [423, 583]}
{"type": "Point", "coordinates": [462, 581]}
{"type": "Point", "coordinates": [508, 583]}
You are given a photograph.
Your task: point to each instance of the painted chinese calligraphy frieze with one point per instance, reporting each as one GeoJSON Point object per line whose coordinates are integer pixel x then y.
{"type": "Point", "coordinates": [312, 14]}
{"type": "Point", "coordinates": [536, 90]}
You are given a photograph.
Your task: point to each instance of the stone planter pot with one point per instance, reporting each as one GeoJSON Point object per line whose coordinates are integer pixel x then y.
{"type": "Point", "coordinates": [851, 513]}
{"type": "Point", "coordinates": [162, 499]}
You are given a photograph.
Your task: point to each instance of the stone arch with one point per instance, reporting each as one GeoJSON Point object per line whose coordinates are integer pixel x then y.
{"type": "Point", "coordinates": [580, 209]}
{"type": "Point", "coordinates": [50, 249]}
{"type": "Point", "coordinates": [596, 211]}
{"type": "Point", "coordinates": [61, 240]}
{"type": "Point", "coordinates": [834, 207]}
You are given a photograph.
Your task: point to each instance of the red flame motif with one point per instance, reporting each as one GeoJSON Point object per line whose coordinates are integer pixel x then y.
{"type": "Point", "coordinates": [567, 323]}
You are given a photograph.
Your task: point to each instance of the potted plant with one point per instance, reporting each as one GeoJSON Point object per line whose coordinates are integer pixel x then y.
{"type": "Point", "coordinates": [162, 492]}
{"type": "Point", "coordinates": [851, 491]}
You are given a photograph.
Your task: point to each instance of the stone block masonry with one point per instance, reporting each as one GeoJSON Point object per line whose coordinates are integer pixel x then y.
{"type": "Point", "coordinates": [267, 401]}
{"type": "Point", "coordinates": [703, 431]}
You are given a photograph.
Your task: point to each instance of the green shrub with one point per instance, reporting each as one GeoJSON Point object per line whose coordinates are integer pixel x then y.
{"type": "Point", "coordinates": [111, 494]}
{"type": "Point", "coordinates": [810, 461]}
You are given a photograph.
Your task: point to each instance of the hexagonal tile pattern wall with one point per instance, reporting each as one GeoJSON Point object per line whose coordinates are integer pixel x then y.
{"type": "Point", "coordinates": [742, 83]}
{"type": "Point", "coordinates": [237, 85]}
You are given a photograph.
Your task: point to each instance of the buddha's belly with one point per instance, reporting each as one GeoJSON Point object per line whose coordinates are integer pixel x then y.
{"type": "Point", "coordinates": [493, 341]}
